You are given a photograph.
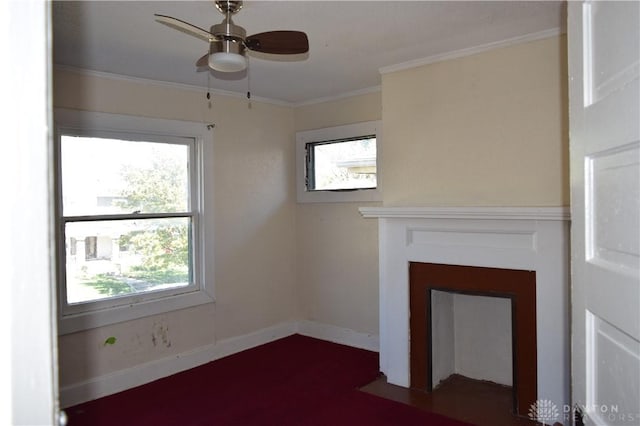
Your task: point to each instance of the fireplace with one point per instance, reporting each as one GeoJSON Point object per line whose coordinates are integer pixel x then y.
{"type": "Point", "coordinates": [518, 286]}
{"type": "Point", "coordinates": [527, 241]}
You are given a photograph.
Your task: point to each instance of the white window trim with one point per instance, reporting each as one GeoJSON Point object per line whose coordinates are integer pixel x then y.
{"type": "Point", "coordinates": [140, 306]}
{"type": "Point", "coordinates": [334, 133]}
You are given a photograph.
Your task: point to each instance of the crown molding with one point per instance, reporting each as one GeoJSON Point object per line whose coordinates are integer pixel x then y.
{"type": "Point", "coordinates": [168, 84]}
{"type": "Point", "coordinates": [351, 94]}
{"type": "Point", "coordinates": [554, 32]}
{"type": "Point", "coordinates": [219, 92]}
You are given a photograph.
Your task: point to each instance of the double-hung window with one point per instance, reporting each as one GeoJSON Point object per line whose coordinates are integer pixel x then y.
{"type": "Point", "coordinates": [130, 217]}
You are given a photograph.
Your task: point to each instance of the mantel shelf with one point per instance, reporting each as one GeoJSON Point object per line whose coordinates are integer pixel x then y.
{"type": "Point", "coordinates": [469, 213]}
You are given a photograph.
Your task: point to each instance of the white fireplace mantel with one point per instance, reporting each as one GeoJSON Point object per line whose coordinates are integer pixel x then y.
{"type": "Point", "coordinates": [523, 238]}
{"type": "Point", "coordinates": [486, 213]}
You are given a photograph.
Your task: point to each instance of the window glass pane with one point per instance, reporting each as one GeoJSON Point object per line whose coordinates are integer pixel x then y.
{"type": "Point", "coordinates": [344, 165]}
{"type": "Point", "coordinates": [121, 257]}
{"type": "Point", "coordinates": [112, 176]}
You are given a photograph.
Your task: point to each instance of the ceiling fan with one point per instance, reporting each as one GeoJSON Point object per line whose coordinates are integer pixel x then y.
{"type": "Point", "coordinates": [229, 42]}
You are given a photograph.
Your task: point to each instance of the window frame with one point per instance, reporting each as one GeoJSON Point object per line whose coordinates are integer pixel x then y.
{"type": "Point", "coordinates": [337, 134]}
{"type": "Point", "coordinates": [92, 314]}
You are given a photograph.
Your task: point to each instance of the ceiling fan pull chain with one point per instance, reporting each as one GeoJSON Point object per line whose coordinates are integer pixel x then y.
{"type": "Point", "coordinates": [248, 80]}
{"type": "Point", "coordinates": [228, 42]}
{"type": "Point", "coordinates": [209, 87]}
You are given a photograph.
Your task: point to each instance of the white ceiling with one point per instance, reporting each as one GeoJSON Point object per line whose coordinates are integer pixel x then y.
{"type": "Point", "coordinates": [349, 41]}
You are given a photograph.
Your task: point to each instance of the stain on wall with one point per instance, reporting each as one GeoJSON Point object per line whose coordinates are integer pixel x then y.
{"type": "Point", "coordinates": [160, 335]}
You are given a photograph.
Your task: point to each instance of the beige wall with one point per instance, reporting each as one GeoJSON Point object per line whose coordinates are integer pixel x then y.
{"type": "Point", "coordinates": [337, 250]}
{"type": "Point", "coordinates": [354, 109]}
{"type": "Point", "coordinates": [483, 130]}
{"type": "Point", "coordinates": [254, 198]}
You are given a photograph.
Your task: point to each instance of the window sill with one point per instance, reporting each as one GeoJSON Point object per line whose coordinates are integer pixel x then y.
{"type": "Point", "coordinates": [86, 320]}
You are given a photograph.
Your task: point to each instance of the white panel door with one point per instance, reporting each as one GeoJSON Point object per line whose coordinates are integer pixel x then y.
{"type": "Point", "coordinates": [604, 92]}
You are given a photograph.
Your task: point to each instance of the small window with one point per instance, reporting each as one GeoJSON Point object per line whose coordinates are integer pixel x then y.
{"type": "Point", "coordinates": [342, 165]}
{"type": "Point", "coordinates": [130, 216]}
{"type": "Point", "coordinates": [339, 163]}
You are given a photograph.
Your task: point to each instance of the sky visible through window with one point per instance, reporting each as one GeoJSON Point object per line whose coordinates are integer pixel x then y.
{"type": "Point", "coordinates": [345, 164]}
{"type": "Point", "coordinates": [111, 258]}
{"type": "Point", "coordinates": [95, 167]}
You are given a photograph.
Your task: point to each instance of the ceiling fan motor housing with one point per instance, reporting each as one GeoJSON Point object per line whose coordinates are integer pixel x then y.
{"type": "Point", "coordinates": [228, 30]}
{"type": "Point", "coordinates": [228, 42]}
{"type": "Point", "coordinates": [228, 6]}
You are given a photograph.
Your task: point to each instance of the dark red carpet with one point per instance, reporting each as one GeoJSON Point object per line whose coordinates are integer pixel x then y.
{"type": "Point", "coordinates": [293, 381]}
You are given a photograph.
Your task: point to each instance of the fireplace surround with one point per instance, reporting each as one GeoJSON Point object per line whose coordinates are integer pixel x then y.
{"type": "Point", "coordinates": [519, 286]}
{"type": "Point", "coordinates": [520, 239]}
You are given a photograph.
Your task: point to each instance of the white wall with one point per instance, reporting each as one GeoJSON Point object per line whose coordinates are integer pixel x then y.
{"type": "Point", "coordinates": [443, 350]}
{"type": "Point", "coordinates": [483, 348]}
{"type": "Point", "coordinates": [472, 337]}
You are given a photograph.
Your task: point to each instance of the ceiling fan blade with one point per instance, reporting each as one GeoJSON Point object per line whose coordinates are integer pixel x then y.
{"type": "Point", "coordinates": [185, 27]}
{"type": "Point", "coordinates": [203, 61]}
{"type": "Point", "coordinates": [279, 42]}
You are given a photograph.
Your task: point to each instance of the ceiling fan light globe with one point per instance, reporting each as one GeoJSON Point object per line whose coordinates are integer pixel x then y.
{"type": "Point", "coordinates": [227, 62]}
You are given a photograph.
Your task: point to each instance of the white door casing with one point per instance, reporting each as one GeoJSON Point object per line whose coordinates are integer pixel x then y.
{"type": "Point", "coordinates": [604, 98]}
{"type": "Point", "coordinates": [28, 364]}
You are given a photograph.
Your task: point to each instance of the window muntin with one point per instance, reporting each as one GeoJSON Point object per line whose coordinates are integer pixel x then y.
{"type": "Point", "coordinates": [119, 211]}
{"type": "Point", "coordinates": [344, 164]}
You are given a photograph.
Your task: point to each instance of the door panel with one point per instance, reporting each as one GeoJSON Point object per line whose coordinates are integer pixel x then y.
{"type": "Point", "coordinates": [611, 34]}
{"type": "Point", "coordinates": [604, 72]}
{"type": "Point", "coordinates": [607, 343]}
{"type": "Point", "coordinates": [611, 174]}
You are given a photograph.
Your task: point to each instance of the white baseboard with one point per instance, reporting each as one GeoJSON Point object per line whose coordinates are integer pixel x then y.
{"type": "Point", "coordinates": [121, 380]}
{"type": "Point", "coordinates": [340, 335]}
{"type": "Point", "coordinates": [128, 378]}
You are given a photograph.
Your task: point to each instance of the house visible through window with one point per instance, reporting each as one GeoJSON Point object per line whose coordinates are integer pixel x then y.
{"type": "Point", "coordinates": [346, 164]}
{"type": "Point", "coordinates": [90, 248]}
{"type": "Point", "coordinates": [130, 229]}
{"type": "Point", "coordinates": [118, 190]}
{"type": "Point", "coordinates": [339, 164]}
